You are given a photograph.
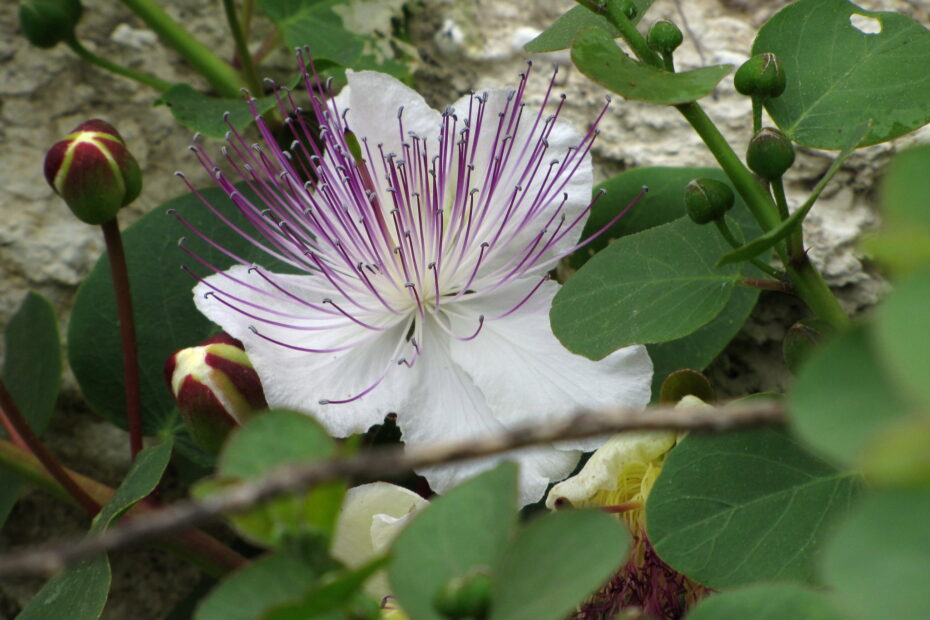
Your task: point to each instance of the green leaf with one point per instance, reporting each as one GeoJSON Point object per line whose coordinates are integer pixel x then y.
{"type": "Point", "coordinates": [264, 443]}
{"type": "Point", "coordinates": [598, 57]}
{"type": "Point", "coordinates": [204, 114]}
{"type": "Point", "coordinates": [139, 482]}
{"type": "Point", "coordinates": [878, 559]}
{"type": "Point", "coordinates": [258, 587]}
{"type": "Point", "coordinates": [664, 203]}
{"type": "Point", "coordinates": [902, 330]}
{"type": "Point", "coordinates": [557, 561]}
{"type": "Point", "coordinates": [562, 32]}
{"type": "Point", "coordinates": [769, 239]}
{"type": "Point", "coordinates": [840, 77]}
{"type": "Point", "coordinates": [842, 397]}
{"type": "Point", "coordinates": [78, 593]}
{"type": "Point", "coordinates": [903, 243]}
{"type": "Point", "coordinates": [654, 286]}
{"type": "Point", "coordinates": [31, 373]}
{"type": "Point", "coordinates": [324, 26]}
{"type": "Point", "coordinates": [767, 601]}
{"type": "Point", "coordinates": [166, 319]}
{"type": "Point", "coordinates": [467, 528]}
{"type": "Point", "coordinates": [334, 593]}
{"type": "Point", "coordinates": [744, 506]}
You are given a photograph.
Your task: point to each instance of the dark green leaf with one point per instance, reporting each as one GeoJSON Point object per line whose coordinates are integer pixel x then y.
{"type": "Point", "coordinates": [465, 529]}
{"type": "Point", "coordinates": [768, 240]}
{"type": "Point", "coordinates": [598, 57]}
{"type": "Point", "coordinates": [78, 593]}
{"type": "Point", "coordinates": [562, 32]}
{"type": "Point", "coordinates": [204, 114]}
{"type": "Point", "coordinates": [166, 319]}
{"type": "Point", "coordinates": [31, 373]}
{"type": "Point", "coordinates": [878, 560]}
{"type": "Point", "coordinates": [840, 77]}
{"type": "Point", "coordinates": [767, 601]}
{"type": "Point", "coordinates": [744, 506]}
{"type": "Point", "coordinates": [328, 597]}
{"type": "Point", "coordinates": [902, 333]}
{"type": "Point", "coordinates": [257, 588]}
{"type": "Point", "coordinates": [141, 480]}
{"type": "Point", "coordinates": [654, 286]}
{"type": "Point", "coordinates": [557, 561]}
{"type": "Point", "coordinates": [842, 397]}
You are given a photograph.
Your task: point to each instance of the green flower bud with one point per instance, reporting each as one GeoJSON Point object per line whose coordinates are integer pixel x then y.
{"type": "Point", "coordinates": [760, 76]}
{"type": "Point", "coordinates": [468, 596]}
{"type": "Point", "coordinates": [664, 37]}
{"type": "Point", "coordinates": [215, 388]}
{"type": "Point", "coordinates": [770, 154]}
{"type": "Point", "coordinates": [93, 171]}
{"type": "Point", "coordinates": [629, 9]}
{"type": "Point", "coordinates": [46, 23]}
{"type": "Point", "coordinates": [707, 200]}
{"type": "Point", "coordinates": [801, 340]}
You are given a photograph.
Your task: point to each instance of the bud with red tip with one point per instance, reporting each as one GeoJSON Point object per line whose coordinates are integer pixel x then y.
{"type": "Point", "coordinates": [215, 388]}
{"type": "Point", "coordinates": [93, 171]}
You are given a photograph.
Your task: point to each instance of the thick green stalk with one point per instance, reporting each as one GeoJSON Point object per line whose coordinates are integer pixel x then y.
{"type": "Point", "coordinates": [631, 35]}
{"type": "Point", "coordinates": [143, 78]}
{"type": "Point", "coordinates": [242, 47]}
{"type": "Point", "coordinates": [226, 80]}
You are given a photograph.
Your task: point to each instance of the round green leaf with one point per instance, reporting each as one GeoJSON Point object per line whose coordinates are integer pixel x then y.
{"type": "Point", "coordinates": [842, 397]}
{"type": "Point", "coordinates": [556, 562]}
{"type": "Point", "coordinates": [744, 506]}
{"type": "Point", "coordinates": [597, 56]}
{"type": "Point", "coordinates": [654, 286]}
{"type": "Point", "coordinates": [466, 529]}
{"type": "Point", "coordinates": [562, 32]}
{"type": "Point", "coordinates": [878, 561]}
{"type": "Point", "coordinates": [766, 601]}
{"type": "Point", "coordinates": [903, 334]}
{"type": "Point", "coordinates": [840, 76]}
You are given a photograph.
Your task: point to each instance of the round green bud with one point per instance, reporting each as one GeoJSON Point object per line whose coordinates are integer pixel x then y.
{"type": "Point", "coordinates": [93, 171]}
{"type": "Point", "coordinates": [707, 200]}
{"type": "Point", "coordinates": [46, 23]}
{"type": "Point", "coordinates": [760, 76]}
{"type": "Point", "coordinates": [770, 154]}
{"type": "Point", "coordinates": [468, 596]}
{"type": "Point", "coordinates": [664, 37]}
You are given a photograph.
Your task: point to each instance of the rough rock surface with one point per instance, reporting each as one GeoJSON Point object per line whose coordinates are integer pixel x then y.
{"type": "Point", "coordinates": [463, 45]}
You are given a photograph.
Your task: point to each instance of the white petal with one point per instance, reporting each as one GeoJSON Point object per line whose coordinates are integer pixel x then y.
{"type": "Point", "coordinates": [603, 469]}
{"type": "Point", "coordinates": [371, 516]}
{"type": "Point", "coordinates": [373, 100]}
{"type": "Point", "coordinates": [446, 406]}
{"type": "Point", "coordinates": [298, 380]}
{"type": "Point", "coordinates": [560, 139]}
{"type": "Point", "coordinates": [525, 372]}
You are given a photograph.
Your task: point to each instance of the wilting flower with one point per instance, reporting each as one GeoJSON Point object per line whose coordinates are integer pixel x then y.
{"type": "Point", "coordinates": [423, 242]}
{"type": "Point", "coordinates": [371, 517]}
{"type": "Point", "coordinates": [618, 478]}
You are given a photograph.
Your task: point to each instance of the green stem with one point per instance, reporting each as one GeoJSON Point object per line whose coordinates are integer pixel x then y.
{"type": "Point", "coordinates": [242, 47]}
{"type": "Point", "coordinates": [668, 61]}
{"type": "Point", "coordinates": [143, 78]}
{"type": "Point", "coordinates": [209, 554]}
{"type": "Point", "coordinates": [127, 328]}
{"type": "Point", "coordinates": [631, 35]}
{"type": "Point", "coordinates": [756, 115]}
{"type": "Point", "coordinates": [795, 239]}
{"type": "Point", "coordinates": [728, 236]}
{"type": "Point", "coordinates": [812, 288]}
{"type": "Point", "coordinates": [226, 80]}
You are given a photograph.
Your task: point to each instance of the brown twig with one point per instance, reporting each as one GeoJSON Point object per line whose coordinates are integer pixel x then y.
{"type": "Point", "coordinates": [375, 465]}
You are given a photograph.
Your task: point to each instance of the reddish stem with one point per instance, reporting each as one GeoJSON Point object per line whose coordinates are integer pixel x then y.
{"type": "Point", "coordinates": [11, 432]}
{"type": "Point", "coordinates": [127, 328]}
{"type": "Point", "coordinates": [15, 419]}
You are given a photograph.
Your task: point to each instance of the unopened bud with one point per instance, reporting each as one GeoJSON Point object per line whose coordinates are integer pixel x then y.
{"type": "Point", "coordinates": [46, 23]}
{"type": "Point", "coordinates": [707, 200]}
{"type": "Point", "coordinates": [629, 9]}
{"type": "Point", "coordinates": [468, 596]}
{"type": "Point", "coordinates": [215, 388]}
{"type": "Point", "coordinates": [93, 171]}
{"type": "Point", "coordinates": [664, 37]}
{"type": "Point", "coordinates": [761, 76]}
{"type": "Point", "coordinates": [801, 340]}
{"type": "Point", "coordinates": [770, 154]}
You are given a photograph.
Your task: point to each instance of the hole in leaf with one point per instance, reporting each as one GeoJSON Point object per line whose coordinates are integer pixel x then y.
{"type": "Point", "coordinates": [865, 24]}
